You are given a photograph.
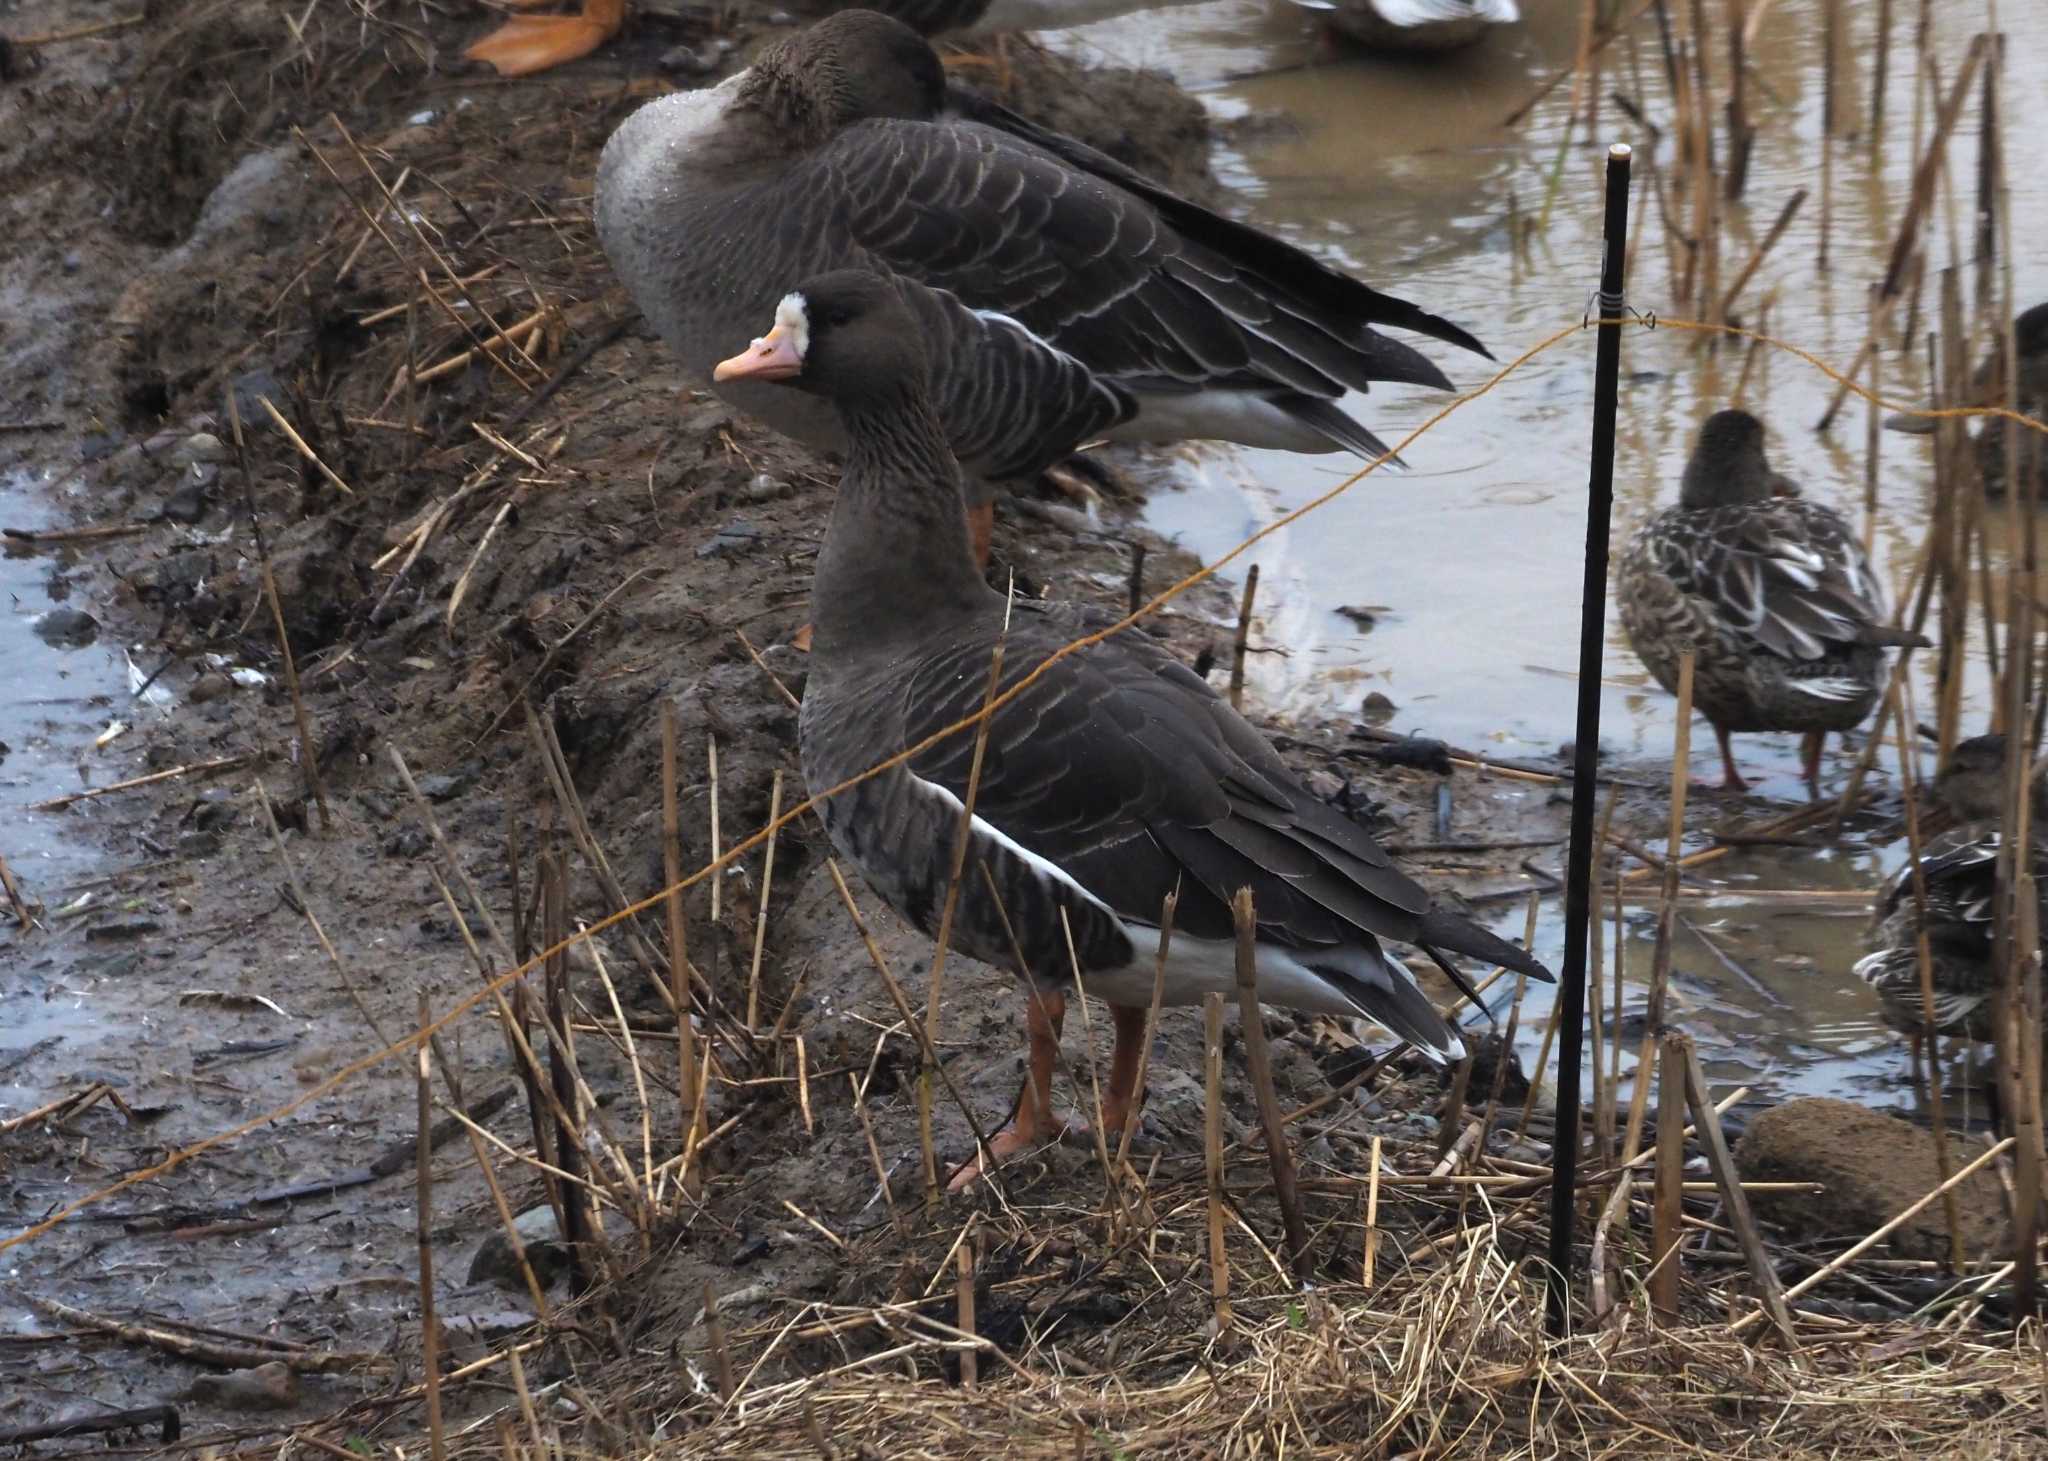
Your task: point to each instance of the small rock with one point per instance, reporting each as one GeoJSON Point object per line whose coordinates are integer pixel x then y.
{"type": "Point", "coordinates": [1871, 1167]}
{"type": "Point", "coordinates": [209, 686]}
{"type": "Point", "coordinates": [407, 841]}
{"type": "Point", "coordinates": [187, 501]}
{"type": "Point", "coordinates": [72, 262]}
{"type": "Point", "coordinates": [766, 487]}
{"type": "Point", "coordinates": [129, 929]}
{"type": "Point", "coordinates": [548, 1256]}
{"type": "Point", "coordinates": [200, 446]}
{"type": "Point", "coordinates": [250, 388]}
{"type": "Point", "coordinates": [67, 628]}
{"type": "Point", "coordinates": [444, 786]}
{"type": "Point", "coordinates": [266, 1387]}
{"type": "Point", "coordinates": [1377, 708]}
{"type": "Point", "coordinates": [739, 533]}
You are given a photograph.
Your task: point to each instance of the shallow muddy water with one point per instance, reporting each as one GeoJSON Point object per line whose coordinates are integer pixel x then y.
{"type": "Point", "coordinates": [1470, 562]}
{"type": "Point", "coordinates": [65, 685]}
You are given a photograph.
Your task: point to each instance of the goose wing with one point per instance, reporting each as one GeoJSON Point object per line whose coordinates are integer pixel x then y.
{"type": "Point", "coordinates": [1126, 771]}
{"type": "Point", "coordinates": [1143, 288]}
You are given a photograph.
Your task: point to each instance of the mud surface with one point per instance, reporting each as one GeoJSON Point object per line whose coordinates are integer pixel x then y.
{"type": "Point", "coordinates": [194, 223]}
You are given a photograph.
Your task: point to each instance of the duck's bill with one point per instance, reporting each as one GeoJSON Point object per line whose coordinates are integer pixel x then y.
{"type": "Point", "coordinates": [772, 357]}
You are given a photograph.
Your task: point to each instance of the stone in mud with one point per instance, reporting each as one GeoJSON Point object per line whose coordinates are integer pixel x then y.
{"type": "Point", "coordinates": [1872, 1167]}
{"type": "Point", "coordinates": [67, 628]}
{"type": "Point", "coordinates": [186, 502]}
{"type": "Point", "coordinates": [495, 1262]}
{"type": "Point", "coordinates": [271, 1386]}
{"type": "Point", "coordinates": [198, 448]}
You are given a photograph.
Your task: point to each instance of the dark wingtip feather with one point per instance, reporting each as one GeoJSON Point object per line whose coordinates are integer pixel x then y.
{"type": "Point", "coordinates": [1340, 427]}
{"type": "Point", "coordinates": [1443, 929]}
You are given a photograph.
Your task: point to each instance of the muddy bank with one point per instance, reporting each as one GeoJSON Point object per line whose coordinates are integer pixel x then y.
{"type": "Point", "coordinates": [488, 562]}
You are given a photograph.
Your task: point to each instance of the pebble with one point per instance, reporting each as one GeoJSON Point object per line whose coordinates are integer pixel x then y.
{"type": "Point", "coordinates": [187, 502]}
{"type": "Point", "coordinates": [1378, 708]}
{"type": "Point", "coordinates": [209, 686]}
{"type": "Point", "coordinates": [494, 1261]}
{"type": "Point", "coordinates": [739, 533]}
{"type": "Point", "coordinates": [406, 842]}
{"type": "Point", "coordinates": [67, 628]}
{"type": "Point", "coordinates": [444, 786]}
{"type": "Point", "coordinates": [200, 446]}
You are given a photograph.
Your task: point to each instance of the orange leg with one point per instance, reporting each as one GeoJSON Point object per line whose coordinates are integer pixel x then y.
{"type": "Point", "coordinates": [1809, 761]}
{"type": "Point", "coordinates": [1123, 1095]}
{"type": "Point", "coordinates": [529, 43]}
{"type": "Point", "coordinates": [1033, 1124]}
{"type": "Point", "coordinates": [981, 531]}
{"type": "Point", "coordinates": [1731, 779]}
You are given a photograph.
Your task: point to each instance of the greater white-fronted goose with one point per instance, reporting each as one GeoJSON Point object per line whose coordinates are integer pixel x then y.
{"type": "Point", "coordinates": [1116, 777]}
{"type": "Point", "coordinates": [1427, 26]}
{"type": "Point", "coordinates": [1773, 594]}
{"type": "Point", "coordinates": [843, 146]}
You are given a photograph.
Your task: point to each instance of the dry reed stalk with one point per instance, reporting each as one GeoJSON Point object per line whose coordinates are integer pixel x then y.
{"type": "Point", "coordinates": [569, 1151]}
{"type": "Point", "coordinates": [1741, 135]}
{"type": "Point", "coordinates": [423, 1226]}
{"type": "Point", "coordinates": [1451, 1125]}
{"type": "Point", "coordinates": [761, 907]}
{"type": "Point", "coordinates": [717, 851]}
{"type": "Point", "coordinates": [291, 875]}
{"type": "Point", "coordinates": [1240, 645]}
{"type": "Point", "coordinates": [1372, 1216]}
{"type": "Point", "coordinates": [1507, 1039]}
{"type": "Point", "coordinates": [1667, 903]}
{"type": "Point", "coordinates": [721, 1352]}
{"type": "Point", "coordinates": [1873, 430]}
{"type": "Point", "coordinates": [1917, 880]}
{"type": "Point", "coordinates": [1596, 963]}
{"type": "Point", "coordinates": [309, 748]}
{"type": "Point", "coordinates": [611, 995]}
{"type": "Point", "coordinates": [867, 1131]}
{"type": "Point", "coordinates": [18, 905]}
{"type": "Point", "coordinates": [1757, 256]}
{"type": "Point", "coordinates": [1168, 906]}
{"type": "Point", "coordinates": [912, 1023]}
{"type": "Point", "coordinates": [963, 840]}
{"type": "Point", "coordinates": [1707, 1122]}
{"type": "Point", "coordinates": [1830, 123]}
{"type": "Point", "coordinates": [1706, 196]}
{"type": "Point", "coordinates": [1616, 1207]}
{"type": "Point", "coordinates": [964, 1302]}
{"type": "Point", "coordinates": [277, 419]}
{"type": "Point", "coordinates": [1536, 1071]}
{"type": "Point", "coordinates": [1259, 1066]}
{"type": "Point", "coordinates": [689, 1116]}
{"type": "Point", "coordinates": [1667, 1226]}
{"type": "Point", "coordinates": [527, 1411]}
{"type": "Point", "coordinates": [1212, 1150]}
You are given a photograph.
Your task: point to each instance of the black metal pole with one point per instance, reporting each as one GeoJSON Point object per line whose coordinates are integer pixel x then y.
{"type": "Point", "coordinates": [1578, 889]}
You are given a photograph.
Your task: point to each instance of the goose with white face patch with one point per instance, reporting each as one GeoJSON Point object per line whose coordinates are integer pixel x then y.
{"type": "Point", "coordinates": [1772, 593]}
{"type": "Point", "coordinates": [1062, 296]}
{"type": "Point", "coordinates": [1115, 777]}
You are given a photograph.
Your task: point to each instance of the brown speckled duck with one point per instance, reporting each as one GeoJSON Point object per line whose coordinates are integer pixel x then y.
{"type": "Point", "coordinates": [1116, 778]}
{"type": "Point", "coordinates": [1772, 593]}
{"type": "Point", "coordinates": [1958, 871]}
{"type": "Point", "coordinates": [1987, 388]}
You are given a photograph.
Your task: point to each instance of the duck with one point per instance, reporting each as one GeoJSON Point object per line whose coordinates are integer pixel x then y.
{"type": "Point", "coordinates": [1958, 871]}
{"type": "Point", "coordinates": [1115, 777]}
{"type": "Point", "coordinates": [1987, 388]}
{"type": "Point", "coordinates": [1422, 27]}
{"type": "Point", "coordinates": [844, 145]}
{"type": "Point", "coordinates": [1771, 592]}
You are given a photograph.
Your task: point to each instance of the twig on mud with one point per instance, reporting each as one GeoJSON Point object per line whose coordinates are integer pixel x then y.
{"type": "Point", "coordinates": [196, 768]}
{"type": "Point", "coordinates": [57, 38]}
{"type": "Point", "coordinates": [277, 419]}
{"type": "Point", "coordinates": [66, 1107]}
{"type": "Point", "coordinates": [165, 1417]}
{"type": "Point", "coordinates": [761, 907]}
{"type": "Point", "coordinates": [291, 874]}
{"type": "Point", "coordinates": [228, 1356]}
{"type": "Point", "coordinates": [15, 901]}
{"type": "Point", "coordinates": [73, 535]}
{"type": "Point", "coordinates": [423, 1229]}
{"type": "Point", "coordinates": [547, 660]}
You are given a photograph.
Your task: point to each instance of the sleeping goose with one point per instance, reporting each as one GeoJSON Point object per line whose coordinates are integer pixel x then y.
{"type": "Point", "coordinates": [843, 146]}
{"type": "Point", "coordinates": [1117, 777]}
{"type": "Point", "coordinates": [1417, 25]}
{"type": "Point", "coordinates": [1773, 594]}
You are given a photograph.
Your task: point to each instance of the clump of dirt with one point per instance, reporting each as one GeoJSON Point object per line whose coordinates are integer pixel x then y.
{"type": "Point", "coordinates": [1871, 1167]}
